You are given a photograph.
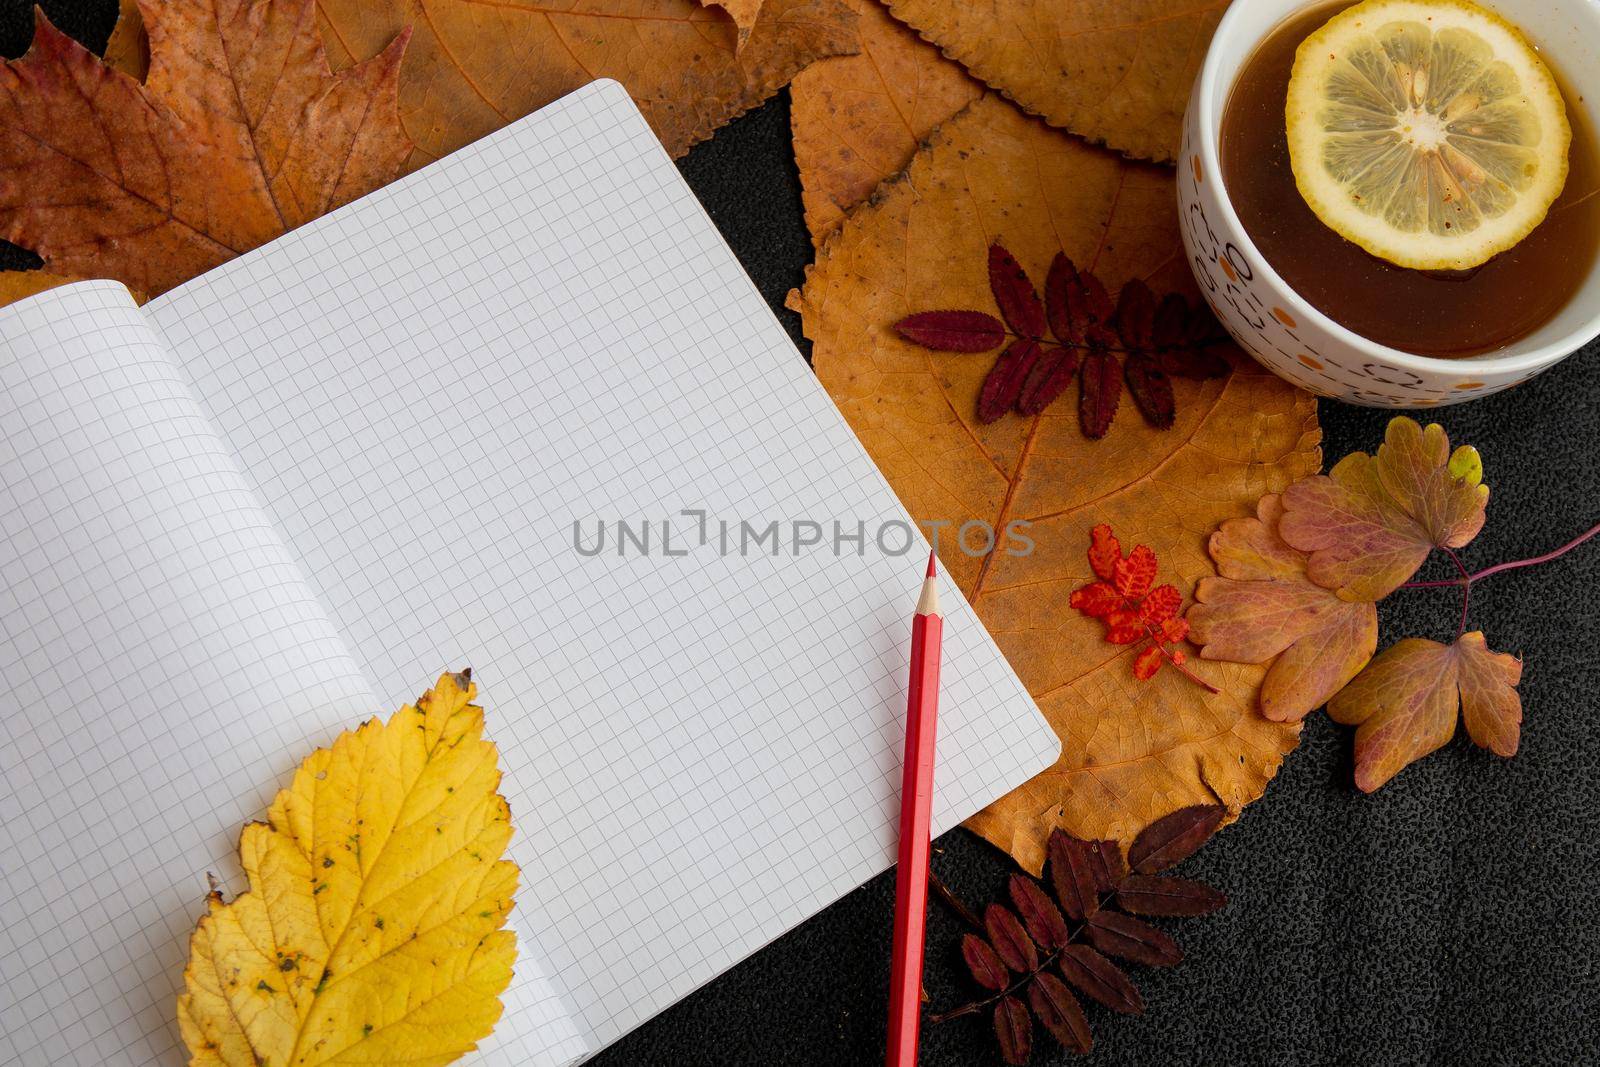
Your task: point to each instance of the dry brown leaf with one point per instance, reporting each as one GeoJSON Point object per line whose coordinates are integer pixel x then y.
{"type": "Point", "coordinates": [859, 119]}
{"type": "Point", "coordinates": [475, 66]}
{"type": "Point", "coordinates": [742, 12]}
{"type": "Point", "coordinates": [128, 50]}
{"type": "Point", "coordinates": [16, 284]}
{"type": "Point", "coordinates": [239, 134]}
{"type": "Point", "coordinates": [1114, 71]}
{"type": "Point", "coordinates": [1133, 751]}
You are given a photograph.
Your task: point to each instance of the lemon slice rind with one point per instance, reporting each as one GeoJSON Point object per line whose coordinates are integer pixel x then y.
{"type": "Point", "coordinates": [1512, 153]}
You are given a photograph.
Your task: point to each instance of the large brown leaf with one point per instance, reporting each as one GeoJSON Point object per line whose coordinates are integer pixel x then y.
{"type": "Point", "coordinates": [859, 119]}
{"type": "Point", "coordinates": [1114, 71]}
{"type": "Point", "coordinates": [475, 66]}
{"type": "Point", "coordinates": [239, 133]}
{"type": "Point", "coordinates": [1133, 751]}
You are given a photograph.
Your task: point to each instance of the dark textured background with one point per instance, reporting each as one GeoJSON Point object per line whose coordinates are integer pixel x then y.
{"type": "Point", "coordinates": [1448, 919]}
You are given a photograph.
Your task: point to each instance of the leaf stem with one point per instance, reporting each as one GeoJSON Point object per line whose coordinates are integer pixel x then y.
{"type": "Point", "coordinates": [1181, 669]}
{"type": "Point", "coordinates": [1468, 579]}
{"type": "Point", "coordinates": [953, 902]}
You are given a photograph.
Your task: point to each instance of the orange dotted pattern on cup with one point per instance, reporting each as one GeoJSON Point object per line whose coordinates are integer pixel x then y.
{"type": "Point", "coordinates": [1314, 364]}
{"type": "Point", "coordinates": [1284, 317]}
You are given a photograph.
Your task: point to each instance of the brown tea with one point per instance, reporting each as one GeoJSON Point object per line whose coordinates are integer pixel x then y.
{"type": "Point", "coordinates": [1428, 313]}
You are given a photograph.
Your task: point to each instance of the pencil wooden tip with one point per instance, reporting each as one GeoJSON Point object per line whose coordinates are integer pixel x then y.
{"type": "Point", "coordinates": [933, 565]}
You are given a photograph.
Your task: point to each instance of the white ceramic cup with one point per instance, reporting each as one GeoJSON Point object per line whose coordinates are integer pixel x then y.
{"type": "Point", "coordinates": [1283, 331]}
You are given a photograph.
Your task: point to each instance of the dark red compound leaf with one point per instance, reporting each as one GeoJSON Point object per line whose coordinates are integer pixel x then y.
{"type": "Point", "coordinates": [1091, 307]}
{"type": "Point", "coordinates": [1105, 860]}
{"type": "Point", "coordinates": [1048, 380]}
{"type": "Point", "coordinates": [1117, 934]}
{"type": "Point", "coordinates": [953, 331]}
{"type": "Point", "coordinates": [1010, 941]}
{"type": "Point", "coordinates": [1015, 294]}
{"type": "Point", "coordinates": [985, 965]}
{"type": "Point", "coordinates": [1059, 1012]}
{"type": "Point", "coordinates": [1058, 301]}
{"type": "Point", "coordinates": [1145, 894]}
{"type": "Point", "coordinates": [1040, 916]}
{"type": "Point", "coordinates": [1003, 387]}
{"type": "Point", "coordinates": [1151, 389]}
{"type": "Point", "coordinates": [1100, 979]}
{"type": "Point", "coordinates": [1013, 1028]}
{"type": "Point", "coordinates": [1099, 393]}
{"type": "Point", "coordinates": [1173, 838]}
{"type": "Point", "coordinates": [1136, 316]}
{"type": "Point", "coordinates": [1072, 874]}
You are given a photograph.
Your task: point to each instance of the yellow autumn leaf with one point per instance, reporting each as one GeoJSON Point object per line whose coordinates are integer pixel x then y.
{"type": "Point", "coordinates": [372, 929]}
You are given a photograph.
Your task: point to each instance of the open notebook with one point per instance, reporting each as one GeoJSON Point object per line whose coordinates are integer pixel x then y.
{"type": "Point", "coordinates": [284, 496]}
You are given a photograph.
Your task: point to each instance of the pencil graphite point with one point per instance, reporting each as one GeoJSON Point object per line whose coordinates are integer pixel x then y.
{"type": "Point", "coordinates": [933, 564]}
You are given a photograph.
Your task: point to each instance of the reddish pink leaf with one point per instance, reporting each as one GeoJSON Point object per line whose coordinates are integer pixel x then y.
{"type": "Point", "coordinates": [1100, 979]}
{"type": "Point", "coordinates": [1370, 522]}
{"type": "Point", "coordinates": [1013, 1027]}
{"type": "Point", "coordinates": [953, 331]}
{"type": "Point", "coordinates": [1039, 913]}
{"type": "Point", "coordinates": [1173, 838]}
{"type": "Point", "coordinates": [1135, 575]}
{"type": "Point", "coordinates": [1264, 609]}
{"type": "Point", "coordinates": [1117, 934]}
{"type": "Point", "coordinates": [1059, 1012]}
{"type": "Point", "coordinates": [1049, 379]}
{"type": "Point", "coordinates": [1147, 663]}
{"type": "Point", "coordinates": [1011, 942]}
{"type": "Point", "coordinates": [1003, 386]}
{"type": "Point", "coordinates": [1148, 894]}
{"type": "Point", "coordinates": [1404, 703]}
{"type": "Point", "coordinates": [1151, 390]}
{"type": "Point", "coordinates": [1072, 873]}
{"type": "Point", "coordinates": [1014, 292]}
{"type": "Point", "coordinates": [1099, 392]}
{"type": "Point", "coordinates": [1174, 630]}
{"type": "Point", "coordinates": [983, 962]}
{"type": "Point", "coordinates": [1057, 300]}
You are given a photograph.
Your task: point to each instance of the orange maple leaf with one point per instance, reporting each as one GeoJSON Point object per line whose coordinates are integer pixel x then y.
{"type": "Point", "coordinates": [239, 133]}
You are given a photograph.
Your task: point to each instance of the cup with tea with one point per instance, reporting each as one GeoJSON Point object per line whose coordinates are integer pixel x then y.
{"type": "Point", "coordinates": [1372, 249]}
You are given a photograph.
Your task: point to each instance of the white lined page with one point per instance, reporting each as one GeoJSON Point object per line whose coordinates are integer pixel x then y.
{"type": "Point", "coordinates": [429, 386]}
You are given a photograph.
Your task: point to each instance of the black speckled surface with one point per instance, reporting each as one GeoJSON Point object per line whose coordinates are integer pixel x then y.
{"type": "Point", "coordinates": [1449, 919]}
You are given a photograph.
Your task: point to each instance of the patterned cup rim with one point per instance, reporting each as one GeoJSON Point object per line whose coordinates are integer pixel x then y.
{"type": "Point", "coordinates": [1236, 20]}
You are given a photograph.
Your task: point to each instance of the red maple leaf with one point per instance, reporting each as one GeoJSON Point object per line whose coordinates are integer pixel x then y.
{"type": "Point", "coordinates": [1135, 610]}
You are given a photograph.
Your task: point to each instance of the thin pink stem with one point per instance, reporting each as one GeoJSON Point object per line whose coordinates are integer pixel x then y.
{"type": "Point", "coordinates": [1468, 579]}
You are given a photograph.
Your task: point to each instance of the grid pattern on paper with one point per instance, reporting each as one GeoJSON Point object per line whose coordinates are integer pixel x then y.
{"type": "Point", "coordinates": [431, 386]}
{"type": "Point", "coordinates": [162, 666]}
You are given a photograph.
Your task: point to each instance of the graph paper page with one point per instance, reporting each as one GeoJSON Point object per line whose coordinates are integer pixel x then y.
{"type": "Point", "coordinates": [429, 389]}
{"type": "Point", "coordinates": [163, 668]}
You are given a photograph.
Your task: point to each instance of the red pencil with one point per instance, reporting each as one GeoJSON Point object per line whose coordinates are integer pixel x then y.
{"type": "Point", "coordinates": [916, 817]}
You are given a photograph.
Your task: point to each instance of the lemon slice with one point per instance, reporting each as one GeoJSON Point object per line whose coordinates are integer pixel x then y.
{"type": "Point", "coordinates": [1429, 132]}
